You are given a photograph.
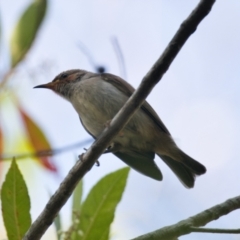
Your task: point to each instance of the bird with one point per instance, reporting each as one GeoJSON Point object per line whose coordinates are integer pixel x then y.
{"type": "Point", "coordinates": [97, 97]}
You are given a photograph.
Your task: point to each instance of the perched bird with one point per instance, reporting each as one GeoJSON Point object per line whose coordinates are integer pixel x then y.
{"type": "Point", "coordinates": [98, 97]}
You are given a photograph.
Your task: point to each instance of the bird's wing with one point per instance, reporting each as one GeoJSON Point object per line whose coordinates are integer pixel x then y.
{"type": "Point", "coordinates": [128, 90]}
{"type": "Point", "coordinates": [141, 162]}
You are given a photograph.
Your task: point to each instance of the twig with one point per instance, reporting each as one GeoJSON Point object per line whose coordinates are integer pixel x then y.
{"type": "Point", "coordinates": [189, 225]}
{"type": "Point", "coordinates": [44, 153]}
{"type": "Point", "coordinates": [6, 77]}
{"type": "Point", "coordinates": [119, 54]}
{"type": "Point", "coordinates": [215, 230]}
{"type": "Point", "coordinates": [56, 202]}
{"type": "Point", "coordinates": [87, 53]}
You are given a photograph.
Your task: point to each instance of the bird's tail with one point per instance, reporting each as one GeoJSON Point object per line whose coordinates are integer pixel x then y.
{"type": "Point", "coordinates": [192, 164]}
{"type": "Point", "coordinates": [186, 168]}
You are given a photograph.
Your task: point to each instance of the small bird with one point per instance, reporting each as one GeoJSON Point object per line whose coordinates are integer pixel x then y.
{"type": "Point", "coordinates": [98, 97]}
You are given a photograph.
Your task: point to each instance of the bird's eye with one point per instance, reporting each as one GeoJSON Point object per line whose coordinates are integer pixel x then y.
{"type": "Point", "coordinates": [64, 75]}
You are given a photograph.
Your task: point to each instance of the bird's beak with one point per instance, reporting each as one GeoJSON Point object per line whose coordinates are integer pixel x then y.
{"type": "Point", "coordinates": [49, 85]}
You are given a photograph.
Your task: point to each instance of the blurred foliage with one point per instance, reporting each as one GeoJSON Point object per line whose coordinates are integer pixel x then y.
{"type": "Point", "coordinates": [14, 194]}
{"type": "Point", "coordinates": [0, 30]}
{"type": "Point", "coordinates": [15, 203]}
{"type": "Point", "coordinates": [37, 139]}
{"type": "Point", "coordinates": [92, 218]}
{"type": "Point", "coordinates": [26, 29]}
{"type": "Point", "coordinates": [1, 142]}
{"type": "Point", "coordinates": [23, 36]}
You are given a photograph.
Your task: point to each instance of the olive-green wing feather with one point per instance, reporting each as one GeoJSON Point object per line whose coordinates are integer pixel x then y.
{"type": "Point", "coordinates": [142, 163]}
{"type": "Point", "coordinates": [128, 90]}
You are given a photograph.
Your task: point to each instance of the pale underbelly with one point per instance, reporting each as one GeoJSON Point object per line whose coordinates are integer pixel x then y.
{"type": "Point", "coordinates": [133, 136]}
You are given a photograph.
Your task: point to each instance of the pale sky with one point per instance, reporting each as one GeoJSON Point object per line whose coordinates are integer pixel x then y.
{"type": "Point", "coordinates": [197, 99]}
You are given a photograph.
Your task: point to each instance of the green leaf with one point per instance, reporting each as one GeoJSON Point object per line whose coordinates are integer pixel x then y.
{"type": "Point", "coordinates": [58, 225]}
{"type": "Point", "coordinates": [76, 210]}
{"type": "Point", "coordinates": [77, 198]}
{"type": "Point", "coordinates": [15, 204]}
{"type": "Point", "coordinates": [26, 29]}
{"type": "Point", "coordinates": [98, 209]}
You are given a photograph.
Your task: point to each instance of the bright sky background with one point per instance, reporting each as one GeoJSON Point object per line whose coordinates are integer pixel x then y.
{"type": "Point", "coordinates": [198, 100]}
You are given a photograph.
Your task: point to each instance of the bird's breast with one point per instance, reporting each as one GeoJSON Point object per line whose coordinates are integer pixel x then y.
{"type": "Point", "coordinates": [97, 102]}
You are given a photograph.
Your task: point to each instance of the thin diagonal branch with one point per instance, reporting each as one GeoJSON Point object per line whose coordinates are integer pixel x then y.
{"type": "Point", "coordinates": [155, 74]}
{"type": "Point", "coordinates": [186, 226]}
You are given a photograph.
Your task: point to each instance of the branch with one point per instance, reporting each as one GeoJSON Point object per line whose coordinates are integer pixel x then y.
{"type": "Point", "coordinates": [60, 197]}
{"type": "Point", "coordinates": [189, 225]}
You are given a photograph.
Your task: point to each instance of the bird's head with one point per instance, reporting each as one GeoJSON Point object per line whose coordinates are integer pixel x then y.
{"type": "Point", "coordinates": [64, 82]}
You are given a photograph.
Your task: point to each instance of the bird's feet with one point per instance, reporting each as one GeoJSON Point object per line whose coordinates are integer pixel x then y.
{"type": "Point", "coordinates": [107, 123]}
{"type": "Point", "coordinates": [80, 158]}
{"type": "Point", "coordinates": [114, 147]}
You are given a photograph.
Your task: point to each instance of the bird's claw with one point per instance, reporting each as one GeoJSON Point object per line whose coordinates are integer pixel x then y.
{"type": "Point", "coordinates": [115, 147]}
{"type": "Point", "coordinates": [97, 163]}
{"type": "Point", "coordinates": [108, 150]}
{"type": "Point", "coordinates": [80, 157]}
{"type": "Point", "coordinates": [107, 123]}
